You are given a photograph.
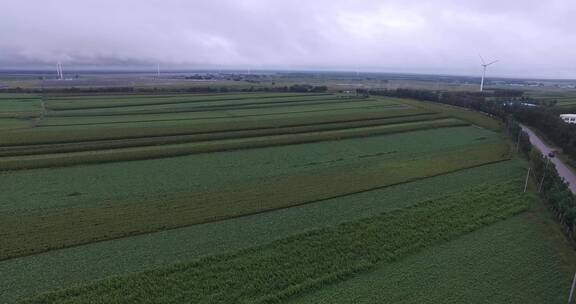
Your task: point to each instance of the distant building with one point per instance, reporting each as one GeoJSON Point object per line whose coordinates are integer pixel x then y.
{"type": "Point", "coordinates": [568, 118]}
{"type": "Point", "coordinates": [346, 93]}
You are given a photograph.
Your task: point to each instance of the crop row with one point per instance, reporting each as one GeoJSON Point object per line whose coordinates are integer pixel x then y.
{"type": "Point", "coordinates": [127, 96]}
{"type": "Point", "coordinates": [254, 108]}
{"type": "Point", "coordinates": [19, 108]}
{"type": "Point", "coordinates": [474, 117]}
{"type": "Point", "coordinates": [193, 108]}
{"type": "Point", "coordinates": [205, 100]}
{"type": "Point", "coordinates": [31, 233]}
{"type": "Point", "coordinates": [18, 96]}
{"type": "Point", "coordinates": [288, 267]}
{"type": "Point", "coordinates": [133, 181]}
{"type": "Point", "coordinates": [105, 100]}
{"type": "Point", "coordinates": [170, 150]}
{"type": "Point", "coordinates": [297, 110]}
{"type": "Point", "coordinates": [198, 137]}
{"type": "Point", "coordinates": [165, 125]}
{"type": "Point", "coordinates": [14, 123]}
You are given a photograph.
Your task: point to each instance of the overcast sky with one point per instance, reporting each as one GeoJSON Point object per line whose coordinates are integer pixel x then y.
{"type": "Point", "coordinates": [531, 38]}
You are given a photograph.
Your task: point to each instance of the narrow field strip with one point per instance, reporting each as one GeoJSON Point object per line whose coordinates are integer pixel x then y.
{"type": "Point", "coordinates": [20, 108]}
{"type": "Point", "coordinates": [186, 126]}
{"type": "Point", "coordinates": [134, 181]}
{"type": "Point", "coordinates": [471, 116]}
{"type": "Point", "coordinates": [14, 124]}
{"type": "Point", "coordinates": [79, 97]}
{"type": "Point", "coordinates": [150, 152]}
{"type": "Point", "coordinates": [247, 110]}
{"type": "Point", "coordinates": [136, 97]}
{"type": "Point", "coordinates": [183, 117]}
{"type": "Point", "coordinates": [18, 96]}
{"type": "Point", "coordinates": [31, 233]}
{"type": "Point", "coordinates": [192, 108]}
{"type": "Point", "coordinates": [91, 102]}
{"type": "Point", "coordinates": [195, 107]}
{"type": "Point", "coordinates": [288, 267]}
{"type": "Point", "coordinates": [232, 114]}
{"type": "Point", "coordinates": [201, 102]}
{"type": "Point", "coordinates": [567, 103]}
{"type": "Point", "coordinates": [199, 137]}
{"type": "Point", "coordinates": [73, 266]}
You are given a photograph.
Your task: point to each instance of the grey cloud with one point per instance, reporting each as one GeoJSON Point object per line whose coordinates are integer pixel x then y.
{"type": "Point", "coordinates": [531, 38]}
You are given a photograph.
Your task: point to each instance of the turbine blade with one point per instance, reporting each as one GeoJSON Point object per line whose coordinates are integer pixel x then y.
{"type": "Point", "coordinates": [492, 62]}
{"type": "Point", "coordinates": [481, 58]}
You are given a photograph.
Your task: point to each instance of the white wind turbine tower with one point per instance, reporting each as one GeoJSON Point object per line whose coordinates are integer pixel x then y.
{"type": "Point", "coordinates": [484, 66]}
{"type": "Point", "coordinates": [59, 71]}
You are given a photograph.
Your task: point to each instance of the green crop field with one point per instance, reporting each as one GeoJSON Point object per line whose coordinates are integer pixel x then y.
{"type": "Point", "coordinates": [462, 270]}
{"type": "Point", "coordinates": [562, 98]}
{"type": "Point", "coordinates": [98, 260]}
{"type": "Point", "coordinates": [261, 198]}
{"type": "Point", "coordinates": [25, 107]}
{"type": "Point", "coordinates": [306, 261]}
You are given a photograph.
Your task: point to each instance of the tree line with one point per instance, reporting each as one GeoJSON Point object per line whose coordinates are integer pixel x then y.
{"type": "Point", "coordinates": [296, 88]}
{"type": "Point", "coordinates": [511, 107]}
{"type": "Point", "coordinates": [551, 187]}
{"type": "Point", "coordinates": [501, 104]}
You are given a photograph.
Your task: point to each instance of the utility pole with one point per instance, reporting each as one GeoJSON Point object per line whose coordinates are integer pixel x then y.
{"type": "Point", "coordinates": [527, 177]}
{"type": "Point", "coordinates": [543, 175]}
{"type": "Point", "coordinates": [518, 140]}
{"type": "Point", "coordinates": [572, 290]}
{"type": "Point", "coordinates": [36, 121]}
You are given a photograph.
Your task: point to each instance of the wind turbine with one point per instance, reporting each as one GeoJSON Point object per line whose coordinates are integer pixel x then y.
{"type": "Point", "coordinates": [484, 66]}
{"type": "Point", "coordinates": [59, 71]}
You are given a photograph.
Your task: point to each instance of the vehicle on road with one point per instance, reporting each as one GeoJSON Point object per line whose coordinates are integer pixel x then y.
{"type": "Point", "coordinates": [552, 153]}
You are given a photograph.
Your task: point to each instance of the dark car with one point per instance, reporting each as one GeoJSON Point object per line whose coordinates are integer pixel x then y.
{"type": "Point", "coordinates": [552, 154]}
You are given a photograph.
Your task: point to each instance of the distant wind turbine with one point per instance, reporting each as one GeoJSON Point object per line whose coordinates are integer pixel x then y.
{"type": "Point", "coordinates": [484, 66]}
{"type": "Point", "coordinates": [59, 71]}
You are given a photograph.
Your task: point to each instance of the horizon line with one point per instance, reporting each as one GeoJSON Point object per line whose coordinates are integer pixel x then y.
{"type": "Point", "coordinates": [142, 69]}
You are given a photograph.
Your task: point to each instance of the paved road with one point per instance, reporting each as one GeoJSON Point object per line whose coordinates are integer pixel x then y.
{"type": "Point", "coordinates": [563, 169]}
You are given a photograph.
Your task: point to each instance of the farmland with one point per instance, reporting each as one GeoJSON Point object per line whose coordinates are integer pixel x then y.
{"type": "Point", "coordinates": [513, 248]}
{"type": "Point", "coordinates": [113, 197]}
{"type": "Point", "coordinates": [563, 98]}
